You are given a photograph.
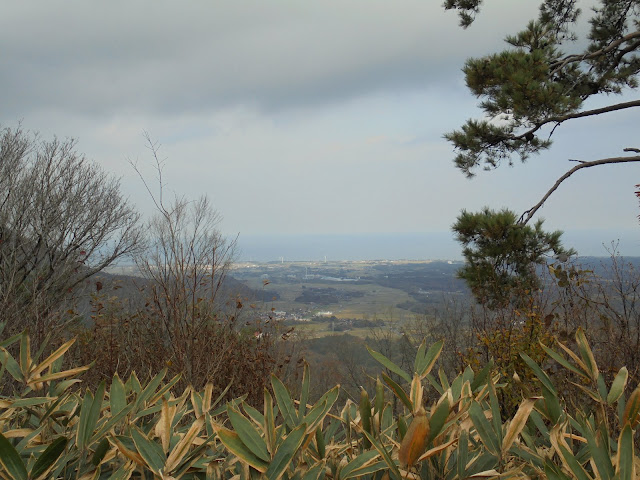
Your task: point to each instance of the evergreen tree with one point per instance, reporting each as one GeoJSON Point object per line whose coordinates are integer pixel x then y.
{"type": "Point", "coordinates": [527, 91]}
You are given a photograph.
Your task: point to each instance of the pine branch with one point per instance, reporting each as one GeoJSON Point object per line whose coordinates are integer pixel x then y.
{"type": "Point", "coordinates": [560, 64]}
{"type": "Point", "coordinates": [528, 214]}
{"type": "Point", "coordinates": [570, 116]}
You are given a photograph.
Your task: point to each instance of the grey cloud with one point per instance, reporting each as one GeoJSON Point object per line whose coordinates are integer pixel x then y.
{"type": "Point", "coordinates": [169, 57]}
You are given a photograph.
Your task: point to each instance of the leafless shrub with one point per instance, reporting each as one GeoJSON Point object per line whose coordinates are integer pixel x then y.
{"type": "Point", "coordinates": [62, 219]}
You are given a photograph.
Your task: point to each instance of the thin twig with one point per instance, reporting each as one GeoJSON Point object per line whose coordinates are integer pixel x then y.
{"type": "Point", "coordinates": [528, 214]}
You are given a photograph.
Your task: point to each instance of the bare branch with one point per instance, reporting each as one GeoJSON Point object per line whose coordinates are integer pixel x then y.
{"type": "Point", "coordinates": [570, 116]}
{"type": "Point", "coordinates": [528, 214]}
{"type": "Point", "coordinates": [589, 56]}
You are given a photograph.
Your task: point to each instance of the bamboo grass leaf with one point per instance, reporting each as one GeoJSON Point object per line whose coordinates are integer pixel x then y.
{"type": "Point", "coordinates": [394, 471]}
{"type": "Point", "coordinates": [231, 440]}
{"type": "Point", "coordinates": [462, 454]}
{"type": "Point", "coordinates": [425, 361]}
{"type": "Point", "coordinates": [367, 470]}
{"type": "Point", "coordinates": [89, 414]}
{"type": "Point", "coordinates": [517, 423]}
{"type": "Point", "coordinates": [304, 394]}
{"type": "Point", "coordinates": [150, 389]}
{"type": "Point", "coordinates": [618, 386]}
{"type": "Point", "coordinates": [52, 358]}
{"type": "Point", "coordinates": [416, 392]}
{"type": "Point", "coordinates": [586, 354]}
{"type": "Point", "coordinates": [182, 447]}
{"type": "Point", "coordinates": [316, 472]}
{"type": "Point", "coordinates": [49, 377]}
{"type": "Point", "coordinates": [438, 418]}
{"type": "Point", "coordinates": [398, 391]}
{"type": "Point", "coordinates": [436, 450]}
{"type": "Point", "coordinates": [248, 434]}
{"type": "Point", "coordinates": [379, 400]}
{"type": "Point", "coordinates": [47, 459]}
{"type": "Point", "coordinates": [365, 415]}
{"type": "Point", "coordinates": [25, 354]}
{"type": "Point", "coordinates": [600, 455]}
{"type": "Point", "coordinates": [360, 461]}
{"type": "Point", "coordinates": [285, 452]}
{"type": "Point", "coordinates": [150, 451]}
{"type": "Point", "coordinates": [163, 427]}
{"type": "Point", "coordinates": [389, 365]}
{"type": "Point", "coordinates": [254, 415]}
{"type": "Point", "coordinates": [625, 458]}
{"type": "Point", "coordinates": [483, 427]}
{"type": "Point", "coordinates": [632, 409]}
{"type": "Point", "coordinates": [543, 377]}
{"type": "Point", "coordinates": [117, 396]}
{"type": "Point", "coordinates": [481, 377]}
{"type": "Point", "coordinates": [11, 365]}
{"type": "Point", "coordinates": [100, 452]}
{"type": "Point", "coordinates": [496, 419]}
{"type": "Point", "coordinates": [11, 461]}
{"type": "Point", "coordinates": [285, 404]}
{"type": "Point", "coordinates": [563, 361]}
{"type": "Point", "coordinates": [269, 422]}
{"type": "Point", "coordinates": [124, 472]}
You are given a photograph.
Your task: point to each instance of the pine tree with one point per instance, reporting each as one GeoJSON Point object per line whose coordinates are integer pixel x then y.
{"type": "Point", "coordinates": [527, 91]}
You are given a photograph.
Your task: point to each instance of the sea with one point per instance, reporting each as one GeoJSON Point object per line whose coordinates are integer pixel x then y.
{"type": "Point", "coordinates": [408, 246]}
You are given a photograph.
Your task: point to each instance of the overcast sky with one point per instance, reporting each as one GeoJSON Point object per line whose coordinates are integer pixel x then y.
{"type": "Point", "coordinates": [298, 116]}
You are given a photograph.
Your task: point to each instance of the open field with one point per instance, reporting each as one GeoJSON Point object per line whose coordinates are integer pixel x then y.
{"type": "Point", "coordinates": [347, 293]}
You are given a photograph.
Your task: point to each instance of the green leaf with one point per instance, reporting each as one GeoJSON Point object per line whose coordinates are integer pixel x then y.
{"type": "Point", "coordinates": [117, 396]}
{"type": "Point", "coordinates": [150, 451]}
{"type": "Point", "coordinates": [564, 362]}
{"type": "Point", "coordinates": [11, 365]}
{"type": "Point", "coordinates": [285, 452]}
{"type": "Point", "coordinates": [394, 472]}
{"type": "Point", "coordinates": [285, 404]}
{"type": "Point", "coordinates": [11, 461]}
{"type": "Point", "coordinates": [248, 434]}
{"type": "Point", "coordinates": [89, 413]}
{"type": "Point", "coordinates": [586, 354]}
{"type": "Point", "coordinates": [543, 377]}
{"type": "Point", "coordinates": [599, 454]}
{"type": "Point", "coordinates": [432, 381]}
{"type": "Point", "coordinates": [495, 413]}
{"type": "Point", "coordinates": [253, 414]}
{"type": "Point", "coordinates": [100, 452]}
{"type": "Point", "coordinates": [483, 427]}
{"type": "Point", "coordinates": [618, 386]}
{"type": "Point", "coordinates": [316, 472]}
{"type": "Point", "coordinates": [398, 391]}
{"type": "Point", "coordinates": [365, 414]}
{"type": "Point", "coordinates": [389, 365]}
{"type": "Point", "coordinates": [124, 472]}
{"type": "Point", "coordinates": [438, 418]}
{"type": "Point", "coordinates": [269, 421]}
{"type": "Point", "coordinates": [632, 409]}
{"type": "Point", "coordinates": [462, 454]}
{"type": "Point", "coordinates": [625, 464]}
{"type": "Point", "coordinates": [47, 458]}
{"type": "Point", "coordinates": [574, 465]}
{"type": "Point", "coordinates": [28, 402]}
{"type": "Point", "coordinates": [425, 361]}
{"type": "Point", "coordinates": [149, 389]}
{"type": "Point", "coordinates": [379, 400]}
{"type": "Point", "coordinates": [304, 394]}
{"type": "Point", "coordinates": [357, 463]}
{"type": "Point", "coordinates": [231, 440]}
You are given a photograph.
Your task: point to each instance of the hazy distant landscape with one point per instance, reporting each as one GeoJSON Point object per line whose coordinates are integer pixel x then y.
{"type": "Point", "coordinates": [406, 246]}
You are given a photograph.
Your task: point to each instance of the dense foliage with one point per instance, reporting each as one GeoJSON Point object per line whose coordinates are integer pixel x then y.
{"type": "Point", "coordinates": [442, 428]}
{"type": "Point", "coordinates": [527, 91]}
